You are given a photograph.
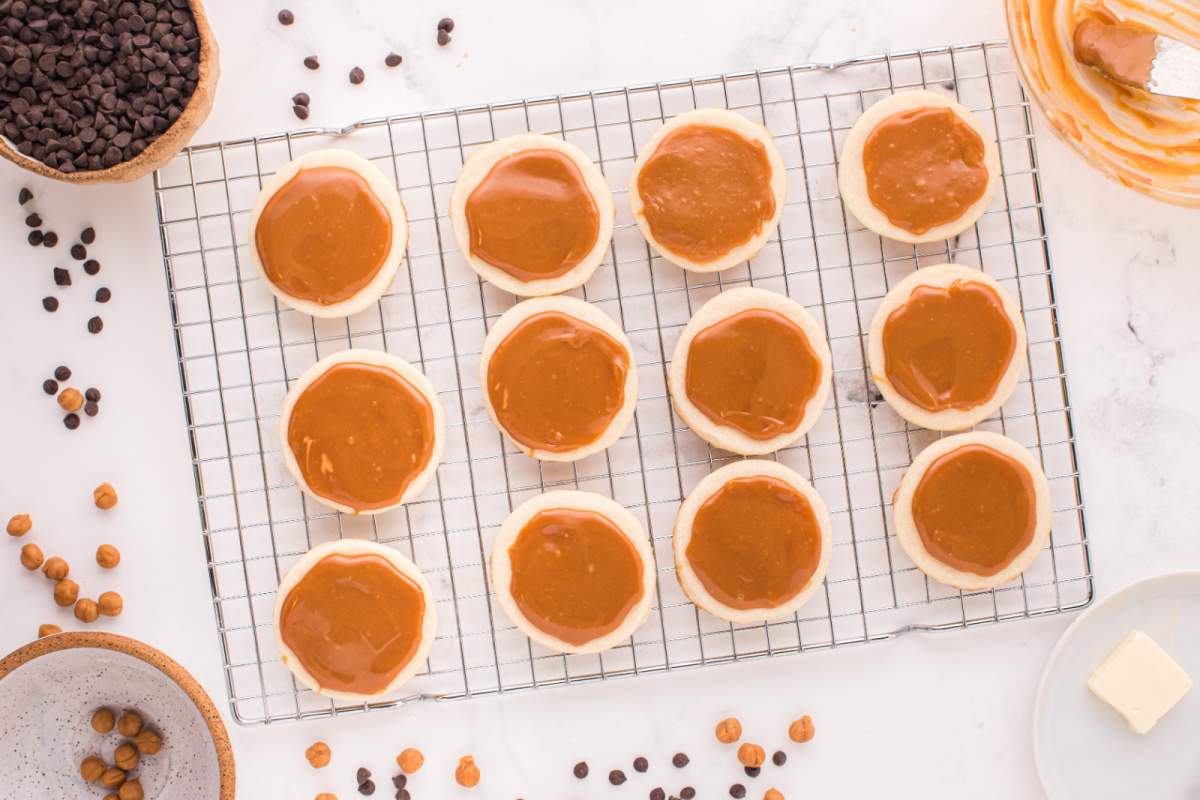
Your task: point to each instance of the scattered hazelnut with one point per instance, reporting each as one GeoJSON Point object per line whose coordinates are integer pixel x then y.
{"type": "Point", "coordinates": [112, 796]}
{"type": "Point", "coordinates": [108, 556]}
{"type": "Point", "coordinates": [318, 755]}
{"type": "Point", "coordinates": [130, 724]}
{"type": "Point", "coordinates": [112, 778]}
{"type": "Point", "coordinates": [410, 760]}
{"type": "Point", "coordinates": [751, 755]}
{"type": "Point", "coordinates": [148, 742]}
{"type": "Point", "coordinates": [802, 730]}
{"type": "Point", "coordinates": [773, 794]}
{"type": "Point", "coordinates": [71, 399]}
{"type": "Point", "coordinates": [31, 556]}
{"type": "Point", "coordinates": [86, 610]}
{"type": "Point", "coordinates": [467, 774]}
{"type": "Point", "coordinates": [66, 592]}
{"type": "Point", "coordinates": [91, 769]}
{"type": "Point", "coordinates": [111, 604]}
{"type": "Point", "coordinates": [729, 730]}
{"type": "Point", "coordinates": [48, 630]}
{"type": "Point", "coordinates": [103, 720]}
{"type": "Point", "coordinates": [126, 756]}
{"type": "Point", "coordinates": [105, 496]}
{"type": "Point", "coordinates": [19, 525]}
{"type": "Point", "coordinates": [131, 790]}
{"type": "Point", "coordinates": [56, 568]}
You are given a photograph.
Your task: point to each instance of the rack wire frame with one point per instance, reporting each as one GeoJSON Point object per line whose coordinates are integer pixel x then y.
{"type": "Point", "coordinates": [238, 348]}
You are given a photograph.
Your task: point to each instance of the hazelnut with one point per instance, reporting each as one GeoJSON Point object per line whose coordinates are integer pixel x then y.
{"type": "Point", "coordinates": [108, 556]}
{"type": "Point", "coordinates": [148, 742]}
{"type": "Point", "coordinates": [410, 760]}
{"type": "Point", "coordinates": [91, 769]}
{"type": "Point", "coordinates": [111, 604]}
{"type": "Point", "coordinates": [467, 774]}
{"type": "Point", "coordinates": [130, 724]}
{"type": "Point", "coordinates": [802, 730]}
{"type": "Point", "coordinates": [56, 568]}
{"type": "Point", "coordinates": [48, 630]}
{"type": "Point", "coordinates": [112, 778]}
{"type": "Point", "coordinates": [729, 730]}
{"type": "Point", "coordinates": [66, 592]}
{"type": "Point", "coordinates": [751, 755]}
{"type": "Point", "coordinates": [112, 796]}
{"type": "Point", "coordinates": [318, 755]}
{"type": "Point", "coordinates": [19, 525]}
{"type": "Point", "coordinates": [31, 556]}
{"type": "Point", "coordinates": [126, 756]}
{"type": "Point", "coordinates": [105, 496]}
{"type": "Point", "coordinates": [773, 794]}
{"type": "Point", "coordinates": [103, 720]}
{"type": "Point", "coordinates": [86, 610]}
{"type": "Point", "coordinates": [131, 790]}
{"type": "Point", "coordinates": [71, 399]}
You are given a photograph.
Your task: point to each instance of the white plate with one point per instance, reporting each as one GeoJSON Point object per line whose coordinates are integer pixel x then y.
{"type": "Point", "coordinates": [1083, 749]}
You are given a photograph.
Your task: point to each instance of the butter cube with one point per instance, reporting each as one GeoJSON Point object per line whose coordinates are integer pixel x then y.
{"type": "Point", "coordinates": [1140, 681]}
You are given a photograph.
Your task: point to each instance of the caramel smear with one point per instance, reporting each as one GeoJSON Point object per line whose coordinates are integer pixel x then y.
{"type": "Point", "coordinates": [755, 543]}
{"type": "Point", "coordinates": [948, 347]}
{"type": "Point", "coordinates": [533, 215]}
{"type": "Point", "coordinates": [324, 235]}
{"type": "Point", "coordinates": [707, 191]}
{"type": "Point", "coordinates": [361, 433]}
{"type": "Point", "coordinates": [1123, 52]}
{"type": "Point", "coordinates": [354, 622]}
{"type": "Point", "coordinates": [975, 509]}
{"type": "Point", "coordinates": [575, 575]}
{"type": "Point", "coordinates": [925, 168]}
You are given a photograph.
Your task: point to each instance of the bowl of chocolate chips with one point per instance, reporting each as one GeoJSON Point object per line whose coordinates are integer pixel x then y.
{"type": "Point", "coordinates": [102, 91]}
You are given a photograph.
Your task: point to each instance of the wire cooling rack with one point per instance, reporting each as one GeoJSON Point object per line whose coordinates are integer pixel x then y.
{"type": "Point", "coordinates": [238, 349]}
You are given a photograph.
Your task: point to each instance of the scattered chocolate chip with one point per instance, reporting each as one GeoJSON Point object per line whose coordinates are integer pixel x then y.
{"type": "Point", "coordinates": [91, 266]}
{"type": "Point", "coordinates": [50, 239]}
{"type": "Point", "coordinates": [24, 196]}
{"type": "Point", "coordinates": [752, 772]}
{"type": "Point", "coordinates": [286, 17]}
{"type": "Point", "coordinates": [393, 60]}
{"type": "Point", "coordinates": [779, 758]}
{"type": "Point", "coordinates": [312, 63]}
{"type": "Point", "coordinates": [680, 760]}
{"type": "Point", "coordinates": [400, 781]}
{"type": "Point", "coordinates": [50, 304]}
{"type": "Point", "coordinates": [581, 770]}
{"type": "Point", "coordinates": [737, 791]}
{"type": "Point", "coordinates": [687, 793]}
{"type": "Point", "coordinates": [446, 24]}
{"type": "Point", "coordinates": [300, 111]}
{"type": "Point", "coordinates": [402, 794]}
{"type": "Point", "coordinates": [33, 221]}
{"type": "Point", "coordinates": [87, 235]}
{"type": "Point", "coordinates": [62, 373]}
{"type": "Point", "coordinates": [78, 252]}
{"type": "Point", "coordinates": [362, 776]}
{"type": "Point", "coordinates": [62, 276]}
{"type": "Point", "coordinates": [657, 793]}
{"type": "Point", "coordinates": [95, 325]}
{"type": "Point", "coordinates": [91, 409]}
{"type": "Point", "coordinates": [103, 294]}
{"type": "Point", "coordinates": [50, 386]}
{"type": "Point", "coordinates": [35, 238]}
{"type": "Point", "coordinates": [300, 99]}
{"type": "Point", "coordinates": [71, 421]}
{"type": "Point", "coordinates": [640, 764]}
{"type": "Point", "coordinates": [443, 38]}
{"type": "Point", "coordinates": [616, 777]}
{"type": "Point", "coordinates": [367, 787]}
{"type": "Point", "coordinates": [92, 394]}
{"type": "Point", "coordinates": [357, 76]}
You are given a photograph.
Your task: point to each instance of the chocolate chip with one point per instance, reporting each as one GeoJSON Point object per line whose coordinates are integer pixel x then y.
{"type": "Point", "coordinates": [78, 252]}
{"type": "Point", "coordinates": [87, 235]}
{"type": "Point", "coordinates": [300, 111]}
{"type": "Point", "coordinates": [357, 76]}
{"type": "Point", "coordinates": [752, 772]}
{"type": "Point", "coordinates": [640, 764]}
{"type": "Point", "coordinates": [581, 770]}
{"type": "Point", "coordinates": [286, 17]}
{"type": "Point", "coordinates": [62, 373]}
{"type": "Point", "coordinates": [50, 239]}
{"type": "Point", "coordinates": [657, 793]}
{"type": "Point", "coordinates": [50, 386]}
{"type": "Point", "coordinates": [393, 60]}
{"type": "Point", "coordinates": [737, 791]}
{"type": "Point", "coordinates": [35, 238]}
{"type": "Point", "coordinates": [24, 196]}
{"type": "Point", "coordinates": [95, 325]}
{"type": "Point", "coordinates": [71, 421]}
{"type": "Point", "coordinates": [400, 781]}
{"type": "Point", "coordinates": [50, 304]}
{"type": "Point", "coordinates": [687, 793]}
{"type": "Point", "coordinates": [446, 24]}
{"type": "Point", "coordinates": [367, 787]}
{"type": "Point", "coordinates": [300, 99]}
{"type": "Point", "coordinates": [403, 794]}
{"type": "Point", "coordinates": [103, 294]}
{"type": "Point", "coordinates": [91, 266]}
{"type": "Point", "coordinates": [362, 776]}
{"type": "Point", "coordinates": [616, 777]}
{"type": "Point", "coordinates": [443, 38]}
{"type": "Point", "coordinates": [62, 276]}
{"type": "Point", "coordinates": [91, 409]}
{"type": "Point", "coordinates": [779, 758]}
{"type": "Point", "coordinates": [312, 63]}
{"type": "Point", "coordinates": [92, 394]}
{"type": "Point", "coordinates": [33, 221]}
{"type": "Point", "coordinates": [680, 760]}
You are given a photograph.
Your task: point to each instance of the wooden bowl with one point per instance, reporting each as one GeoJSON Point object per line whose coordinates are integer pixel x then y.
{"type": "Point", "coordinates": [162, 149]}
{"type": "Point", "coordinates": [49, 689]}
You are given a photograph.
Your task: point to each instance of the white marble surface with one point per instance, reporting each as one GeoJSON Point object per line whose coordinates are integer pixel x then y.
{"type": "Point", "coordinates": [932, 716]}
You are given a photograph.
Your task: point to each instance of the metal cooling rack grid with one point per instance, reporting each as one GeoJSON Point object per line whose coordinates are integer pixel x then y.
{"type": "Point", "coordinates": [238, 348]}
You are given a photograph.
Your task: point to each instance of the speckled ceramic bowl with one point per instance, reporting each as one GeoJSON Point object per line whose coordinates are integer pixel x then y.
{"type": "Point", "coordinates": [48, 691]}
